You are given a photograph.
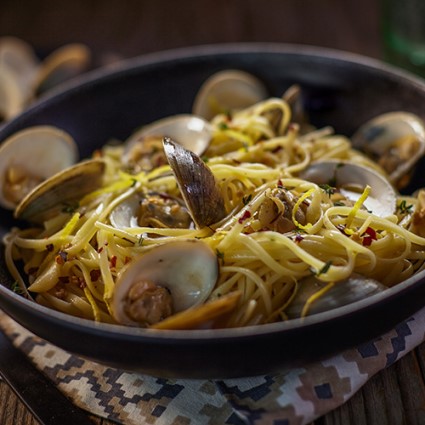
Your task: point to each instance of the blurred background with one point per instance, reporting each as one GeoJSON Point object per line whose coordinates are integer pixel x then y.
{"type": "Point", "coordinates": [127, 28]}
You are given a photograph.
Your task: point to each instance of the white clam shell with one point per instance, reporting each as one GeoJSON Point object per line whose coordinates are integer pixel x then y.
{"type": "Point", "coordinates": [190, 131]}
{"type": "Point", "coordinates": [67, 186]}
{"type": "Point", "coordinates": [228, 90]}
{"type": "Point", "coordinates": [347, 291]}
{"type": "Point", "coordinates": [41, 151]}
{"type": "Point", "coordinates": [378, 135]}
{"type": "Point", "coordinates": [61, 65]}
{"type": "Point", "coordinates": [188, 268]}
{"type": "Point", "coordinates": [18, 59]}
{"type": "Point", "coordinates": [124, 215]}
{"type": "Point", "coordinates": [383, 197]}
{"type": "Point", "coordinates": [12, 96]}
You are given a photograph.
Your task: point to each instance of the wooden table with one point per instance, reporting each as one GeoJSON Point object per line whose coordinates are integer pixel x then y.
{"type": "Point", "coordinates": [131, 27]}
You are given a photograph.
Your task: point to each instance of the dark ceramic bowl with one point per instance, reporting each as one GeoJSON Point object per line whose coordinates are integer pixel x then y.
{"type": "Point", "coordinates": [342, 90]}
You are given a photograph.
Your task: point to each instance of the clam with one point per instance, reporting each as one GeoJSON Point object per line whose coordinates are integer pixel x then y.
{"type": "Point", "coordinates": [141, 148]}
{"type": "Point", "coordinates": [396, 140]}
{"type": "Point", "coordinates": [61, 191]}
{"type": "Point", "coordinates": [168, 279]}
{"type": "Point", "coordinates": [61, 65]}
{"type": "Point", "coordinates": [152, 209]}
{"type": "Point", "coordinates": [226, 91]}
{"type": "Point", "coordinates": [197, 184]}
{"type": "Point", "coordinates": [18, 59]}
{"type": "Point", "coordinates": [31, 156]}
{"type": "Point", "coordinates": [351, 180]}
{"type": "Point", "coordinates": [212, 314]}
{"type": "Point", "coordinates": [12, 97]}
{"type": "Point", "coordinates": [347, 291]}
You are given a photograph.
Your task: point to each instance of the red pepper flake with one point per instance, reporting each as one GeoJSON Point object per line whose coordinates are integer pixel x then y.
{"type": "Point", "coordinates": [50, 247]}
{"type": "Point", "coordinates": [113, 262]}
{"type": "Point", "coordinates": [280, 184]}
{"type": "Point", "coordinates": [95, 275]}
{"type": "Point", "coordinates": [244, 217]}
{"type": "Point", "coordinates": [127, 260]}
{"type": "Point", "coordinates": [100, 249]}
{"type": "Point", "coordinates": [369, 236]}
{"type": "Point", "coordinates": [62, 257]}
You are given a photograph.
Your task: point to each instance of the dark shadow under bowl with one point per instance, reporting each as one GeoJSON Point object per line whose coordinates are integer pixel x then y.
{"type": "Point", "coordinates": [341, 90]}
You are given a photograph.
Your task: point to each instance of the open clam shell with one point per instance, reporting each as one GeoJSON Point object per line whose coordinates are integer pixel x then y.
{"type": "Point", "coordinates": [347, 291]}
{"type": "Point", "coordinates": [351, 179]}
{"type": "Point", "coordinates": [226, 91]}
{"type": "Point", "coordinates": [190, 131]}
{"type": "Point", "coordinates": [62, 64]}
{"type": "Point", "coordinates": [31, 156]}
{"type": "Point", "coordinates": [61, 190]}
{"type": "Point", "coordinates": [17, 59]}
{"type": "Point", "coordinates": [12, 97]}
{"type": "Point", "coordinates": [188, 269]}
{"type": "Point", "coordinates": [396, 140]}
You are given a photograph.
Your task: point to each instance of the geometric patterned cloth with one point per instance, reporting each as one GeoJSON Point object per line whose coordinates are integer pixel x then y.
{"type": "Point", "coordinates": [293, 397]}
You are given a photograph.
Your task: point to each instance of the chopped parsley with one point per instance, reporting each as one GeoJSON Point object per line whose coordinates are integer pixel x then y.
{"type": "Point", "coordinates": [327, 188]}
{"type": "Point", "coordinates": [16, 288]}
{"type": "Point", "coordinates": [70, 207]}
{"type": "Point", "coordinates": [403, 208]}
{"type": "Point", "coordinates": [247, 199]}
{"type": "Point", "coordinates": [324, 269]}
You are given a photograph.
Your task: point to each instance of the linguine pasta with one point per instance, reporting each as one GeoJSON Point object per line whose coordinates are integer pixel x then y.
{"type": "Point", "coordinates": [279, 228]}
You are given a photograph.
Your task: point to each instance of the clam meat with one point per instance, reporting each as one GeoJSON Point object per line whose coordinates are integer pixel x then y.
{"type": "Point", "coordinates": [395, 140]}
{"type": "Point", "coordinates": [168, 279]}
{"type": "Point", "coordinates": [29, 157]}
{"type": "Point", "coordinates": [144, 150]}
{"type": "Point", "coordinates": [153, 209]}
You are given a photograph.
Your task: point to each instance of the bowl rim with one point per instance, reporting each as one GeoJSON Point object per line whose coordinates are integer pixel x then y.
{"type": "Point", "coordinates": [177, 54]}
{"type": "Point", "coordinates": [153, 59]}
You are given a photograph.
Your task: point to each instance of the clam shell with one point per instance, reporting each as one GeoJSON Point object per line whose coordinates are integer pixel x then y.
{"type": "Point", "coordinates": [383, 197]}
{"type": "Point", "coordinates": [41, 151]}
{"type": "Point", "coordinates": [347, 291]}
{"type": "Point", "coordinates": [190, 131]}
{"type": "Point", "coordinates": [377, 136]}
{"type": "Point", "coordinates": [64, 188]}
{"type": "Point", "coordinates": [197, 185]}
{"type": "Point", "coordinates": [61, 65]}
{"type": "Point", "coordinates": [188, 269]}
{"type": "Point", "coordinates": [226, 91]}
{"type": "Point", "coordinates": [12, 97]}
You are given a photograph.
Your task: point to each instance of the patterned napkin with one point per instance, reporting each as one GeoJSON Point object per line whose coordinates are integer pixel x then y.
{"type": "Point", "coordinates": [295, 397]}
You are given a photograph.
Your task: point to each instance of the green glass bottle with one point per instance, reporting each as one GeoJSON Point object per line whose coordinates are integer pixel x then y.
{"type": "Point", "coordinates": [403, 30]}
